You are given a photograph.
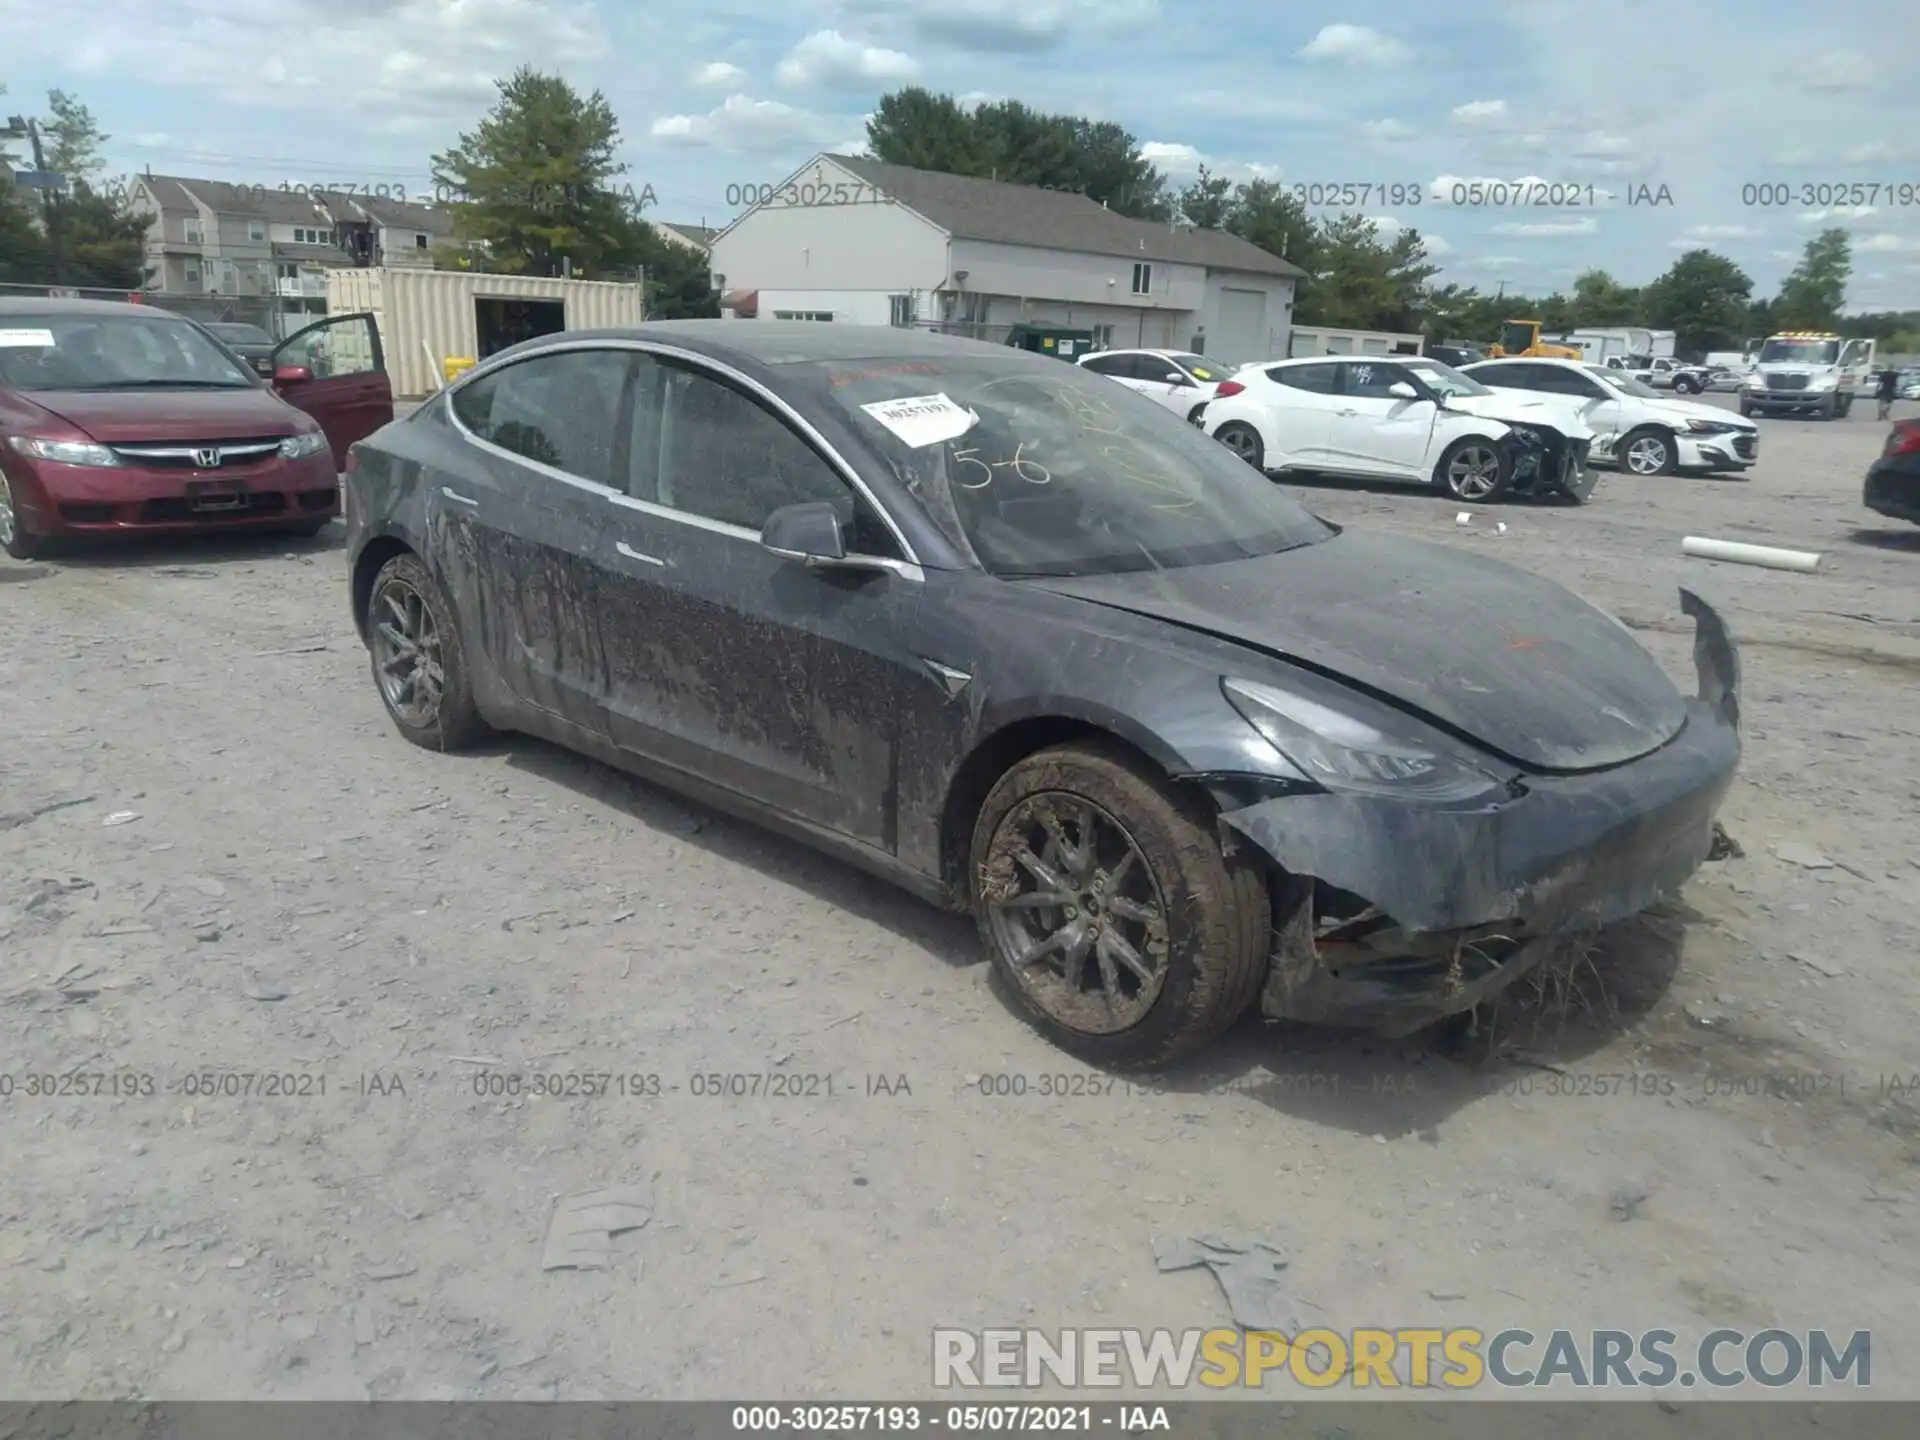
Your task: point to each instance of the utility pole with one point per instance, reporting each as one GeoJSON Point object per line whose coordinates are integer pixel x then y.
{"type": "Point", "coordinates": [50, 200]}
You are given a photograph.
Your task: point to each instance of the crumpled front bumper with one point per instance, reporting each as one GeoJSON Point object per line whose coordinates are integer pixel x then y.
{"type": "Point", "coordinates": [1481, 895]}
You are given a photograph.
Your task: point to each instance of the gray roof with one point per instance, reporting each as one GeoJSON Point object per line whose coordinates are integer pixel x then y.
{"type": "Point", "coordinates": [701, 235]}
{"type": "Point", "coordinates": [969, 208]}
{"type": "Point", "coordinates": [400, 214]}
{"type": "Point", "coordinates": [231, 197]}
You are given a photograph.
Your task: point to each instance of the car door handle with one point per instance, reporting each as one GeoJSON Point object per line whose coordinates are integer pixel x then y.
{"type": "Point", "coordinates": [1346, 412]}
{"type": "Point", "coordinates": [457, 497]}
{"type": "Point", "coordinates": [633, 554]}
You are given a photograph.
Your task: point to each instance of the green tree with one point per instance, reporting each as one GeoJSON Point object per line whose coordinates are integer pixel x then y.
{"type": "Point", "coordinates": [1274, 218]}
{"type": "Point", "coordinates": [1811, 296]}
{"type": "Point", "coordinates": [1705, 299]}
{"type": "Point", "coordinates": [535, 181]}
{"type": "Point", "coordinates": [1601, 300]}
{"type": "Point", "coordinates": [679, 281]}
{"type": "Point", "coordinates": [1207, 202]}
{"type": "Point", "coordinates": [71, 138]}
{"type": "Point", "coordinates": [1362, 281]}
{"type": "Point", "coordinates": [1008, 140]}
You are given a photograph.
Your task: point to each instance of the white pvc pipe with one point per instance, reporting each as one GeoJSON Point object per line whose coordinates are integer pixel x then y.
{"type": "Point", "coordinates": [1735, 553]}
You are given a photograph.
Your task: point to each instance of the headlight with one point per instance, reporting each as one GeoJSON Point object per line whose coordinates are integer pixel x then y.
{"type": "Point", "coordinates": [1712, 427]}
{"type": "Point", "coordinates": [1756, 382]}
{"type": "Point", "coordinates": [1342, 752]}
{"type": "Point", "coordinates": [298, 447]}
{"type": "Point", "coordinates": [1821, 382]}
{"type": "Point", "coordinates": [64, 452]}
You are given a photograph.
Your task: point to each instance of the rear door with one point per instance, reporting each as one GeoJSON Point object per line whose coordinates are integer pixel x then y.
{"type": "Point", "coordinates": [728, 662]}
{"type": "Point", "coordinates": [1377, 431]}
{"type": "Point", "coordinates": [1300, 402]}
{"type": "Point", "coordinates": [520, 525]}
{"type": "Point", "coordinates": [346, 387]}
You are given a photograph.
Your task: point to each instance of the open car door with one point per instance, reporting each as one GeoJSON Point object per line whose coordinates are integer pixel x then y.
{"type": "Point", "coordinates": [336, 372]}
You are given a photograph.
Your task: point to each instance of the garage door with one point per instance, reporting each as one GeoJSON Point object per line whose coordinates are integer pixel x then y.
{"type": "Point", "coordinates": [1242, 332]}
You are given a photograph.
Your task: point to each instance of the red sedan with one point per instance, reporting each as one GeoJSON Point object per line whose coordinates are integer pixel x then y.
{"type": "Point", "coordinates": [127, 419]}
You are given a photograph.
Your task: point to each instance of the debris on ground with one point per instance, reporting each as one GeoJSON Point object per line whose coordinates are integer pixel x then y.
{"type": "Point", "coordinates": [580, 1235]}
{"type": "Point", "coordinates": [17, 818]}
{"type": "Point", "coordinates": [1247, 1270]}
{"type": "Point", "coordinates": [1724, 846]}
{"type": "Point", "coordinates": [1805, 856]}
{"type": "Point", "coordinates": [121, 817]}
{"type": "Point", "coordinates": [1627, 1200]}
{"type": "Point", "coordinates": [259, 987]}
{"type": "Point", "coordinates": [1818, 963]}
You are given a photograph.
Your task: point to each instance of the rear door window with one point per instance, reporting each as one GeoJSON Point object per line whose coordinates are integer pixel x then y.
{"type": "Point", "coordinates": [561, 410]}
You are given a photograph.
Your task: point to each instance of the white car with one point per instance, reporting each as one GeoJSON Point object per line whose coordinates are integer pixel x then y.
{"type": "Point", "coordinates": [1402, 418]}
{"type": "Point", "coordinates": [1178, 379]}
{"type": "Point", "coordinates": [1638, 429]}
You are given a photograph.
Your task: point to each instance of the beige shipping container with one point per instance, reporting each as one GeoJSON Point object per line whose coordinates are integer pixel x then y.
{"type": "Point", "coordinates": [426, 317]}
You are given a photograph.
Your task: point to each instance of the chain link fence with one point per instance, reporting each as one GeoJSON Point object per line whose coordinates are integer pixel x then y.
{"type": "Point", "coordinates": [265, 311]}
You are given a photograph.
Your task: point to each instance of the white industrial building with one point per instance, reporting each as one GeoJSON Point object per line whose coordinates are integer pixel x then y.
{"type": "Point", "coordinates": [853, 240]}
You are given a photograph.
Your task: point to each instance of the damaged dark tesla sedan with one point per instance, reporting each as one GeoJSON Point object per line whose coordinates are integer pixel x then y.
{"type": "Point", "coordinates": [1023, 641]}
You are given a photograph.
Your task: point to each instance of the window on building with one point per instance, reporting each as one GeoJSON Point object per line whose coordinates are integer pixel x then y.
{"type": "Point", "coordinates": [304, 236]}
{"type": "Point", "coordinates": [903, 311]}
{"type": "Point", "coordinates": [194, 234]}
{"type": "Point", "coordinates": [419, 242]}
{"type": "Point", "coordinates": [256, 230]}
{"type": "Point", "coordinates": [1103, 337]}
{"type": "Point", "coordinates": [803, 315]}
{"type": "Point", "coordinates": [1142, 279]}
{"type": "Point", "coordinates": [288, 272]}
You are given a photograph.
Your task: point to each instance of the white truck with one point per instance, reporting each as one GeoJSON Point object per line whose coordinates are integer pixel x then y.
{"type": "Point", "coordinates": [1598, 347]}
{"type": "Point", "coordinates": [1808, 372]}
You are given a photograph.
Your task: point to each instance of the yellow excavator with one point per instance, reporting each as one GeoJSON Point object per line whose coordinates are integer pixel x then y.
{"type": "Point", "coordinates": [1522, 337]}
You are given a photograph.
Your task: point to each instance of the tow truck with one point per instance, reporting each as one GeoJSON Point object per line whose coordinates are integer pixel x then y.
{"type": "Point", "coordinates": [1807, 372]}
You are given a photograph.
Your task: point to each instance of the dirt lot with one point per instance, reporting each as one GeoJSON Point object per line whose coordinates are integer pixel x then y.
{"type": "Point", "coordinates": [302, 894]}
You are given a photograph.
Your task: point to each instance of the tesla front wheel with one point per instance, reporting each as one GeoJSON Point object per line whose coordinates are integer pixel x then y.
{"type": "Point", "coordinates": [1245, 442]}
{"type": "Point", "coordinates": [1475, 469]}
{"type": "Point", "coordinates": [14, 538]}
{"type": "Point", "coordinates": [1121, 930]}
{"type": "Point", "coordinates": [418, 664]}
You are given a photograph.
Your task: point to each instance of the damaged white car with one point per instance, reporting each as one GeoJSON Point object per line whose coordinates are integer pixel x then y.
{"type": "Point", "coordinates": [1408, 419]}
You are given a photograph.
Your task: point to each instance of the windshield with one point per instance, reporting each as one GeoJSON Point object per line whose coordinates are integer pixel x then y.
{"type": "Point", "coordinates": [1444, 380]}
{"type": "Point", "coordinates": [1207, 372]}
{"type": "Point", "coordinates": [58, 351]}
{"type": "Point", "coordinates": [241, 334]}
{"type": "Point", "coordinates": [1515, 335]}
{"type": "Point", "coordinates": [1623, 382]}
{"type": "Point", "coordinates": [1800, 352]}
{"type": "Point", "coordinates": [1041, 469]}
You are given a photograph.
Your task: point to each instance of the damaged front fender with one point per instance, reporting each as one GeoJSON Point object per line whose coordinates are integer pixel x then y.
{"type": "Point", "coordinates": [1475, 895]}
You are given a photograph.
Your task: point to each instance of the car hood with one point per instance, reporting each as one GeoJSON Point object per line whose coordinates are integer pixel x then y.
{"type": "Point", "coordinates": [1490, 652]}
{"type": "Point", "coordinates": [1680, 411]}
{"type": "Point", "coordinates": [1515, 408]}
{"type": "Point", "coordinates": [116, 417]}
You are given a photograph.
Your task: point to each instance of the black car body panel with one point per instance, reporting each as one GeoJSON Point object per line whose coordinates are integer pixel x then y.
{"type": "Point", "coordinates": [1526, 668]}
{"type": "Point", "coordinates": [867, 712]}
{"type": "Point", "coordinates": [1893, 485]}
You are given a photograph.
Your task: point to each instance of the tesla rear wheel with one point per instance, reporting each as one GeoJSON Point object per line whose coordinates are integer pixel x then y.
{"type": "Point", "coordinates": [14, 538]}
{"type": "Point", "coordinates": [1475, 469]}
{"type": "Point", "coordinates": [1113, 918]}
{"type": "Point", "coordinates": [1649, 452]}
{"type": "Point", "coordinates": [418, 664]}
{"type": "Point", "coordinates": [1245, 442]}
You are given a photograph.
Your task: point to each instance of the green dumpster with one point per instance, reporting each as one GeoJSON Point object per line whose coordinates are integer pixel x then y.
{"type": "Point", "coordinates": [1055, 340]}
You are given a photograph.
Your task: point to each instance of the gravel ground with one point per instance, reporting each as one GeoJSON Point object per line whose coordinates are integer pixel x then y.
{"type": "Point", "coordinates": [301, 894]}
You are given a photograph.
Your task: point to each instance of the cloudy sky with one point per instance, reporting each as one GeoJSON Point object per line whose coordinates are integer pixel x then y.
{"type": "Point", "coordinates": [1707, 99]}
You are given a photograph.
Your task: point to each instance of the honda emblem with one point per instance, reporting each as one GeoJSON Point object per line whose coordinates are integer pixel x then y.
{"type": "Point", "coordinates": [206, 459]}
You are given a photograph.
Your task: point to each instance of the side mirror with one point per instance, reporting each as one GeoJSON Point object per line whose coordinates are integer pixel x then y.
{"type": "Point", "coordinates": [1174, 377]}
{"type": "Point", "coordinates": [291, 374]}
{"type": "Point", "coordinates": [1401, 390]}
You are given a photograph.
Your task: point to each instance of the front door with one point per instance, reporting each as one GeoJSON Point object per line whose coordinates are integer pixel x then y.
{"type": "Point", "coordinates": [524, 520]}
{"type": "Point", "coordinates": [1148, 374]}
{"type": "Point", "coordinates": [756, 673]}
{"type": "Point", "coordinates": [1379, 432]}
{"type": "Point", "coordinates": [345, 386]}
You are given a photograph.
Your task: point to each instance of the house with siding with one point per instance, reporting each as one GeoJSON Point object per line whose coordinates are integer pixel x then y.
{"type": "Point", "coordinates": [855, 240]}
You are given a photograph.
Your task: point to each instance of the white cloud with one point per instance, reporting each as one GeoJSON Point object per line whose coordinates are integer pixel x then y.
{"type": "Point", "coordinates": [829, 59]}
{"type": "Point", "coordinates": [746, 125]}
{"type": "Point", "coordinates": [1832, 72]}
{"type": "Point", "coordinates": [1491, 262]}
{"type": "Point", "coordinates": [1481, 112]}
{"type": "Point", "coordinates": [1355, 45]}
{"type": "Point", "coordinates": [1386, 131]}
{"type": "Point", "coordinates": [1543, 229]}
{"type": "Point", "coordinates": [1717, 232]}
{"type": "Point", "coordinates": [1173, 158]}
{"type": "Point", "coordinates": [719, 72]}
{"type": "Point", "coordinates": [1887, 244]}
{"type": "Point", "coordinates": [1389, 226]}
{"type": "Point", "coordinates": [1836, 212]}
{"type": "Point", "coordinates": [1007, 27]}
{"type": "Point", "coordinates": [1879, 152]}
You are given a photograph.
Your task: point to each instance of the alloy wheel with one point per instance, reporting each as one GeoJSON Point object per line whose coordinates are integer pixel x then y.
{"type": "Point", "coordinates": [7, 520]}
{"type": "Point", "coordinates": [1474, 473]}
{"type": "Point", "coordinates": [1242, 442]}
{"type": "Point", "coordinates": [1075, 909]}
{"type": "Point", "coordinates": [1647, 455]}
{"type": "Point", "coordinates": [407, 653]}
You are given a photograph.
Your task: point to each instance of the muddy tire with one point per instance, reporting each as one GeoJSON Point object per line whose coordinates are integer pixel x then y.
{"type": "Point", "coordinates": [1245, 442]}
{"type": "Point", "coordinates": [1114, 920]}
{"type": "Point", "coordinates": [419, 665]}
{"type": "Point", "coordinates": [14, 536]}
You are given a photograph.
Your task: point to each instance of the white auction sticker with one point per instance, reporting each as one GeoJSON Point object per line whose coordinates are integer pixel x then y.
{"type": "Point", "coordinates": [23, 339]}
{"type": "Point", "coordinates": [921, 420]}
